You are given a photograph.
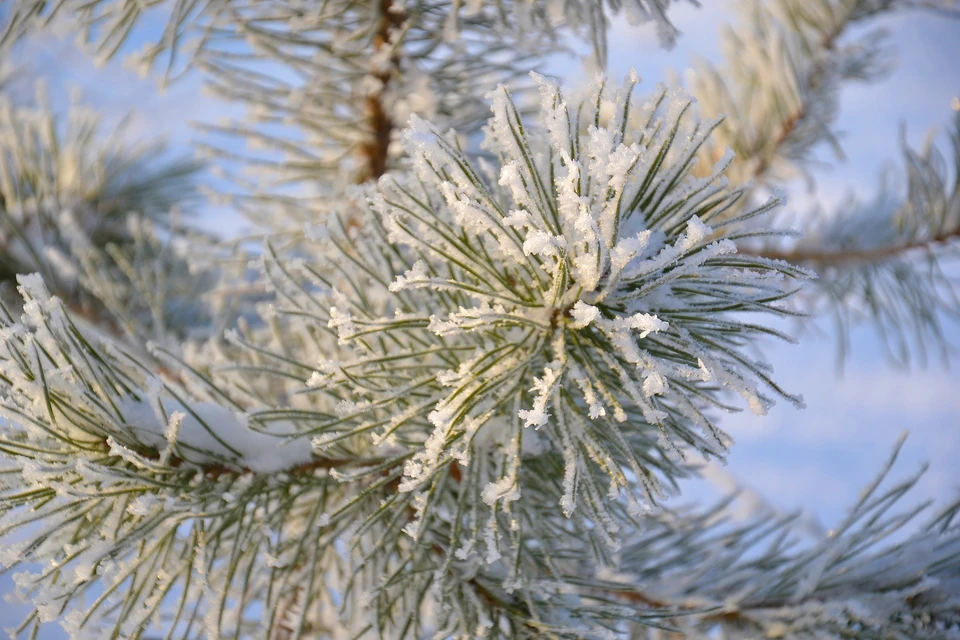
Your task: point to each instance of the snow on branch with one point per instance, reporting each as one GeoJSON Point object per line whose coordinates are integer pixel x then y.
{"type": "Point", "coordinates": [116, 480]}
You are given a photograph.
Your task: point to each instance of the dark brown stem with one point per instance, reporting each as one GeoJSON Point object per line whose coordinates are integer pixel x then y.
{"type": "Point", "coordinates": [375, 150]}
{"type": "Point", "coordinates": [284, 632]}
{"type": "Point", "coordinates": [215, 470]}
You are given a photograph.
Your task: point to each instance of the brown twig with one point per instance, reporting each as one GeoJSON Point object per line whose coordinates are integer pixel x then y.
{"type": "Point", "coordinates": [788, 126]}
{"type": "Point", "coordinates": [375, 151]}
{"type": "Point", "coordinates": [833, 258]}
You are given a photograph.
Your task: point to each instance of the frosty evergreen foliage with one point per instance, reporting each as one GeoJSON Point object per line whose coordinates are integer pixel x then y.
{"type": "Point", "coordinates": [64, 189]}
{"type": "Point", "coordinates": [459, 382]}
{"type": "Point", "coordinates": [778, 89]}
{"type": "Point", "coordinates": [889, 262]}
{"type": "Point", "coordinates": [88, 212]}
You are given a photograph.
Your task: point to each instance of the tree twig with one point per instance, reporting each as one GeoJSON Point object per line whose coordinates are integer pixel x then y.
{"type": "Point", "coordinates": [826, 257]}
{"type": "Point", "coordinates": [375, 151]}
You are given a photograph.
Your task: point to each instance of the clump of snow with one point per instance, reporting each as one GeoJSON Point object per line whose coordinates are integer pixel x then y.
{"type": "Point", "coordinates": [204, 432]}
{"type": "Point", "coordinates": [583, 314]}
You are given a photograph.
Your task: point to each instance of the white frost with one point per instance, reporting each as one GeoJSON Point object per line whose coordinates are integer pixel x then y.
{"type": "Point", "coordinates": [210, 433]}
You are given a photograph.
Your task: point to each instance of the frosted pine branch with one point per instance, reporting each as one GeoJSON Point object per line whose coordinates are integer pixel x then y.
{"type": "Point", "coordinates": [107, 24]}
{"type": "Point", "coordinates": [770, 581]}
{"type": "Point", "coordinates": [887, 263]}
{"type": "Point", "coordinates": [358, 71]}
{"type": "Point", "coordinates": [452, 402]}
{"type": "Point", "coordinates": [570, 312]}
{"type": "Point", "coordinates": [881, 264]}
{"type": "Point", "coordinates": [66, 189]}
{"type": "Point", "coordinates": [581, 273]}
{"type": "Point", "coordinates": [785, 64]}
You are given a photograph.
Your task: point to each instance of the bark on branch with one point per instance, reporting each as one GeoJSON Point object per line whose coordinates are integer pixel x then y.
{"type": "Point", "coordinates": [829, 258]}
{"type": "Point", "coordinates": [375, 151]}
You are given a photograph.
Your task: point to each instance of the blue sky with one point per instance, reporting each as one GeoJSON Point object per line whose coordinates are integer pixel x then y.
{"type": "Point", "coordinates": [817, 459]}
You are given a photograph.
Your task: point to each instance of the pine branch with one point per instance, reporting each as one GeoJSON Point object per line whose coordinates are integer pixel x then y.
{"type": "Point", "coordinates": [442, 387]}
{"type": "Point", "coordinates": [795, 120]}
{"type": "Point", "coordinates": [840, 585]}
{"type": "Point", "coordinates": [85, 211]}
{"type": "Point", "coordinates": [785, 64]}
{"type": "Point", "coordinates": [331, 121]}
{"type": "Point", "coordinates": [108, 24]}
{"type": "Point", "coordinates": [888, 264]}
{"type": "Point", "coordinates": [462, 400]}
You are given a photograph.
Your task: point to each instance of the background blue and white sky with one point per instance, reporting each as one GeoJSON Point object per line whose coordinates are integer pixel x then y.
{"type": "Point", "coordinates": [816, 459]}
